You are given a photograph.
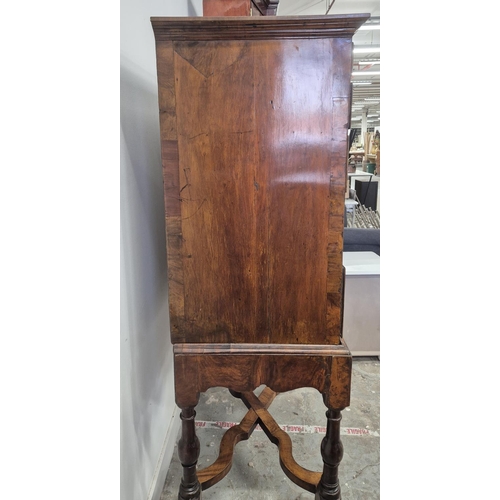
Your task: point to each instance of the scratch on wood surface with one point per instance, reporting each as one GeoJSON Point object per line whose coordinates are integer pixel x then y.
{"type": "Point", "coordinates": [196, 211]}
{"type": "Point", "coordinates": [197, 135]}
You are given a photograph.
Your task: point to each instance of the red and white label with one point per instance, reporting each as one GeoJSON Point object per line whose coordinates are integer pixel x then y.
{"type": "Point", "coordinates": [299, 429]}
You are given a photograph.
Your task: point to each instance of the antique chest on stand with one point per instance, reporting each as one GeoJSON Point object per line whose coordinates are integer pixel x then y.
{"type": "Point", "coordinates": [254, 116]}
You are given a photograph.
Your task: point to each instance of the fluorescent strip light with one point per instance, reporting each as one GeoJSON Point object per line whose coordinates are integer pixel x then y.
{"type": "Point", "coordinates": [372, 99]}
{"type": "Point", "coordinates": [368, 62]}
{"type": "Point", "coordinates": [365, 73]}
{"type": "Point", "coordinates": [365, 50]}
{"type": "Point", "coordinates": [361, 83]}
{"type": "Point", "coordinates": [369, 27]}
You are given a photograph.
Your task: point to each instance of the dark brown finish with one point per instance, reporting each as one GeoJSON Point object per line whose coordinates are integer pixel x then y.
{"type": "Point", "coordinates": [332, 451]}
{"type": "Point", "coordinates": [260, 28]}
{"type": "Point", "coordinates": [189, 451]}
{"type": "Point", "coordinates": [244, 370]}
{"type": "Point", "coordinates": [254, 113]}
{"type": "Point", "coordinates": [254, 173]}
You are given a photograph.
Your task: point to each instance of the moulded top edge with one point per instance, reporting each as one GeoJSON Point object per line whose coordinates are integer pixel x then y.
{"type": "Point", "coordinates": [206, 28]}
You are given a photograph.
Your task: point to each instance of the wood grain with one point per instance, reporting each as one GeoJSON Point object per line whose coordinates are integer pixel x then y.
{"type": "Point", "coordinates": [254, 188]}
{"type": "Point", "coordinates": [218, 211]}
{"type": "Point", "coordinates": [226, 8]}
{"type": "Point", "coordinates": [296, 116]}
{"type": "Point", "coordinates": [196, 373]}
{"type": "Point", "coordinates": [170, 164]}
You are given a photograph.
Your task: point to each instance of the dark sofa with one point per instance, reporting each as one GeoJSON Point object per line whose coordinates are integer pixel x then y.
{"type": "Point", "coordinates": [361, 240]}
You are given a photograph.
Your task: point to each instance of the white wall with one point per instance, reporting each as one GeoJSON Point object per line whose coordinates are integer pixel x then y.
{"type": "Point", "coordinates": [149, 416]}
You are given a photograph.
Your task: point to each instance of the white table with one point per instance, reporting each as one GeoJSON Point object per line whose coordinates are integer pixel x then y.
{"type": "Point", "coordinates": [358, 173]}
{"type": "Point", "coordinates": [362, 303]}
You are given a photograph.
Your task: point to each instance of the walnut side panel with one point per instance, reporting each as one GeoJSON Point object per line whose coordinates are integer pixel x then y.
{"type": "Point", "coordinates": [296, 114]}
{"type": "Point", "coordinates": [254, 150]}
{"type": "Point", "coordinates": [342, 48]}
{"type": "Point", "coordinates": [216, 137]}
{"type": "Point", "coordinates": [170, 164]}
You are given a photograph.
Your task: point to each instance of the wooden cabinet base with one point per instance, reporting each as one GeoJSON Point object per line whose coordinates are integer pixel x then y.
{"type": "Point", "coordinates": [242, 368]}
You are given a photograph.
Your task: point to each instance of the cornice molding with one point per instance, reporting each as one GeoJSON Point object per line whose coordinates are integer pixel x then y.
{"type": "Point", "coordinates": [256, 28]}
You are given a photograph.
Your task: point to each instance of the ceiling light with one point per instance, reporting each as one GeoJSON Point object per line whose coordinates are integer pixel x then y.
{"type": "Point", "coordinates": [368, 62]}
{"type": "Point", "coordinates": [361, 83]}
{"type": "Point", "coordinates": [356, 118]}
{"type": "Point", "coordinates": [372, 99]}
{"type": "Point", "coordinates": [365, 50]}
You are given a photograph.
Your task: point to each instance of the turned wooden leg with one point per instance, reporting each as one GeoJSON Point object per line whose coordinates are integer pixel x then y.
{"type": "Point", "coordinates": [332, 452]}
{"type": "Point", "coordinates": [189, 451]}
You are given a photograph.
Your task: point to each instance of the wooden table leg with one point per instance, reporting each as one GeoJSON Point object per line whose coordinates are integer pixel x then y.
{"type": "Point", "coordinates": [332, 452]}
{"type": "Point", "coordinates": [189, 451]}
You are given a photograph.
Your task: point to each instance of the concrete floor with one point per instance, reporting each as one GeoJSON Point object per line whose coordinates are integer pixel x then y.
{"type": "Point", "coordinates": [256, 473]}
